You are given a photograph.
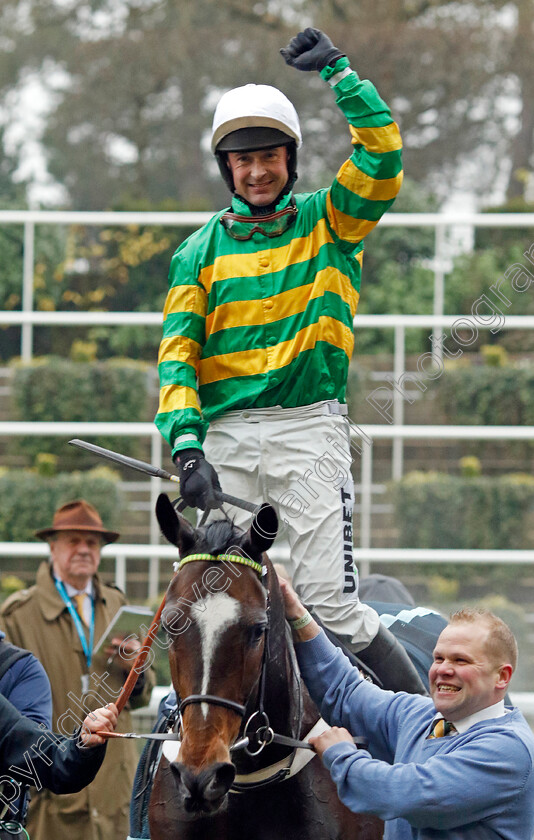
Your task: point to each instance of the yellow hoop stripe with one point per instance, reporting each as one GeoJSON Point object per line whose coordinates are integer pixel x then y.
{"type": "Point", "coordinates": [231, 558]}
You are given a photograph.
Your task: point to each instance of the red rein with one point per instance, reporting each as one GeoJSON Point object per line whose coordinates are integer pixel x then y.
{"type": "Point", "coordinates": [137, 667]}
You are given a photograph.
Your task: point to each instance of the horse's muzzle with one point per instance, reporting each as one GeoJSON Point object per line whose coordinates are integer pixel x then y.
{"type": "Point", "coordinates": [203, 793]}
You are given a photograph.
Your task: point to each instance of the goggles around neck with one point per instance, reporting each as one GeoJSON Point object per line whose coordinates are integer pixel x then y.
{"type": "Point", "coordinates": [274, 224]}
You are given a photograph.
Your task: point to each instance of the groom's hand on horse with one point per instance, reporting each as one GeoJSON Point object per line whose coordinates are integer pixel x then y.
{"type": "Point", "coordinates": [293, 606]}
{"type": "Point", "coordinates": [199, 481]}
{"type": "Point", "coordinates": [335, 735]}
{"type": "Point", "coordinates": [301, 622]}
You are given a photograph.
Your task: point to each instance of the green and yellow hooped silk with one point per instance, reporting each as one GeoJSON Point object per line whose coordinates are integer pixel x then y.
{"type": "Point", "coordinates": [268, 320]}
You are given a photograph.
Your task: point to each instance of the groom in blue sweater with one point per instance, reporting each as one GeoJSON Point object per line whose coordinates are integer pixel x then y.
{"type": "Point", "coordinates": [457, 764]}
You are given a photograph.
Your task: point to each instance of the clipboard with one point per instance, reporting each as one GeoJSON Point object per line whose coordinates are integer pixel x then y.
{"type": "Point", "coordinates": [126, 622]}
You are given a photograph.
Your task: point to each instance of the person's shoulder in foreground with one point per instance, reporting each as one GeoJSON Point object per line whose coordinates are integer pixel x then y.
{"type": "Point", "coordinates": [16, 600]}
{"type": "Point", "coordinates": [24, 682]}
{"type": "Point", "coordinates": [63, 765]}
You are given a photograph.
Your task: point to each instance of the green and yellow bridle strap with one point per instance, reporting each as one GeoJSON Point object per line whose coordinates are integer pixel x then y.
{"type": "Point", "coordinates": [222, 558]}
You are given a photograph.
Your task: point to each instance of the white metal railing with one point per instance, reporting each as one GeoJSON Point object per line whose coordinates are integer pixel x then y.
{"type": "Point", "coordinates": [398, 323]}
{"type": "Point", "coordinates": [363, 436]}
{"type": "Point", "coordinates": [442, 224]}
{"type": "Point", "coordinates": [122, 552]}
{"type": "Point", "coordinates": [369, 433]}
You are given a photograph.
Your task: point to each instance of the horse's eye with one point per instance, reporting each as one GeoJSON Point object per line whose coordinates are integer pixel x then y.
{"type": "Point", "coordinates": [255, 633]}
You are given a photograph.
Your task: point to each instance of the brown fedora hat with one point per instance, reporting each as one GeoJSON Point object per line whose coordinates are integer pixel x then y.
{"type": "Point", "coordinates": [77, 516]}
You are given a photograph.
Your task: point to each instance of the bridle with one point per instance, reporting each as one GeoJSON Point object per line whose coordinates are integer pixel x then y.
{"type": "Point", "coordinates": [257, 731]}
{"type": "Point", "coordinates": [214, 700]}
{"type": "Point", "coordinates": [263, 735]}
{"type": "Point", "coordinates": [258, 735]}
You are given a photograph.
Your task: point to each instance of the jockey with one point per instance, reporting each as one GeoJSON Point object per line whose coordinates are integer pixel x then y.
{"type": "Point", "coordinates": [258, 335]}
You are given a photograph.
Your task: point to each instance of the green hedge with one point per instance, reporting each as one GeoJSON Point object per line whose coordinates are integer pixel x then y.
{"type": "Point", "coordinates": [485, 395]}
{"type": "Point", "coordinates": [28, 501]}
{"type": "Point", "coordinates": [434, 510]}
{"type": "Point", "coordinates": [54, 389]}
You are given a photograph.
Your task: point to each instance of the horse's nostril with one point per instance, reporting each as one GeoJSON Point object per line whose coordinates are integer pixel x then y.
{"type": "Point", "coordinates": [222, 776]}
{"type": "Point", "coordinates": [203, 791]}
{"type": "Point", "coordinates": [183, 777]}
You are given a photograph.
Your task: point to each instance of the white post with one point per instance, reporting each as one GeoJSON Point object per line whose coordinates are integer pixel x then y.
{"type": "Point", "coordinates": [399, 365]}
{"type": "Point", "coordinates": [155, 490]}
{"type": "Point", "coordinates": [120, 571]}
{"type": "Point", "coordinates": [366, 500]}
{"type": "Point", "coordinates": [439, 293]}
{"type": "Point", "coordinates": [26, 344]}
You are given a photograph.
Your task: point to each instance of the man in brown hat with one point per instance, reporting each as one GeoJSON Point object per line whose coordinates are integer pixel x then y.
{"type": "Point", "coordinates": [59, 619]}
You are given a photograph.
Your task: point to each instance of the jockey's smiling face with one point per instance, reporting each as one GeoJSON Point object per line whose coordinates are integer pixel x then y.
{"type": "Point", "coordinates": [261, 175]}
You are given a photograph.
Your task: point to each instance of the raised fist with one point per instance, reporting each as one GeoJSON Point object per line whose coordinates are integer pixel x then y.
{"type": "Point", "coordinates": [310, 50]}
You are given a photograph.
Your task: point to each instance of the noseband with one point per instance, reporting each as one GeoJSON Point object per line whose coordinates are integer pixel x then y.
{"type": "Point", "coordinates": [214, 700]}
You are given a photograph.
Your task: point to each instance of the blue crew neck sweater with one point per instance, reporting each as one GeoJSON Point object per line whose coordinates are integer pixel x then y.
{"type": "Point", "coordinates": [478, 785]}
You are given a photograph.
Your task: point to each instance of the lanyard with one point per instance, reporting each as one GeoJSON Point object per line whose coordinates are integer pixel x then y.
{"type": "Point", "coordinates": [87, 646]}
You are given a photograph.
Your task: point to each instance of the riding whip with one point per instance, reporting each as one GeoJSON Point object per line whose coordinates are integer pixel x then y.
{"type": "Point", "coordinates": [156, 472]}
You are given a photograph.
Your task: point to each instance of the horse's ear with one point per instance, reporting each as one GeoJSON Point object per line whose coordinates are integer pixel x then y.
{"type": "Point", "coordinates": [174, 527]}
{"type": "Point", "coordinates": [263, 529]}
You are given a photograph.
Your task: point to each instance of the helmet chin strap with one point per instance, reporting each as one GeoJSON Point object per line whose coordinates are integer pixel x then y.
{"type": "Point", "coordinates": [224, 169]}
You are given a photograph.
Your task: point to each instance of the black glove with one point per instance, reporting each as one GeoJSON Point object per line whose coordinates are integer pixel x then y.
{"type": "Point", "coordinates": [311, 50]}
{"type": "Point", "coordinates": [198, 479]}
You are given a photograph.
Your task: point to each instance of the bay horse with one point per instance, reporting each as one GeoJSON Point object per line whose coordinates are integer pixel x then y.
{"type": "Point", "coordinates": [234, 671]}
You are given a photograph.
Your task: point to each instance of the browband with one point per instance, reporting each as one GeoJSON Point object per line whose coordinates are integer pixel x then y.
{"type": "Point", "coordinates": [230, 558]}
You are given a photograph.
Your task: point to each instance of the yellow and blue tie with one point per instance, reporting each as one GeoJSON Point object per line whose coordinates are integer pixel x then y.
{"type": "Point", "coordinates": [441, 728]}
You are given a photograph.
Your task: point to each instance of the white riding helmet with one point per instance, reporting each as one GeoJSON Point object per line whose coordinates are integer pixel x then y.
{"type": "Point", "coordinates": [255, 117]}
{"type": "Point", "coordinates": [254, 107]}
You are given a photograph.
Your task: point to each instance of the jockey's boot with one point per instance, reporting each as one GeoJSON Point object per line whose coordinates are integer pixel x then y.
{"type": "Point", "coordinates": [387, 659]}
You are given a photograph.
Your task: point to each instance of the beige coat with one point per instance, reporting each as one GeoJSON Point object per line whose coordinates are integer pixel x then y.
{"type": "Point", "coordinates": [37, 619]}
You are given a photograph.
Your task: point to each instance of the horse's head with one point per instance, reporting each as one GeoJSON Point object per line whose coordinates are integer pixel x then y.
{"type": "Point", "coordinates": [215, 616]}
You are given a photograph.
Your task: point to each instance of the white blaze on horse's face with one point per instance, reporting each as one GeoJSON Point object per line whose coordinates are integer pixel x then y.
{"type": "Point", "coordinates": [213, 615]}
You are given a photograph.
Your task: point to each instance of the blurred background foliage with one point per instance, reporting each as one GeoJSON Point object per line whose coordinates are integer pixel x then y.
{"type": "Point", "coordinates": [434, 510]}
{"type": "Point", "coordinates": [129, 88]}
{"type": "Point", "coordinates": [56, 389]}
{"type": "Point", "coordinates": [126, 92]}
{"type": "Point", "coordinates": [28, 500]}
